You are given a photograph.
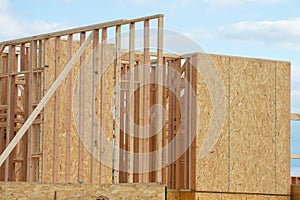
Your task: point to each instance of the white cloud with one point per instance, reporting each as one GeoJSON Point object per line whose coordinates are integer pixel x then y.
{"type": "Point", "coordinates": [295, 94]}
{"type": "Point", "coordinates": [221, 4]}
{"type": "Point", "coordinates": [283, 32]}
{"type": "Point", "coordinates": [13, 27]}
{"type": "Point", "coordinates": [295, 74]}
{"type": "Point", "coordinates": [295, 171]}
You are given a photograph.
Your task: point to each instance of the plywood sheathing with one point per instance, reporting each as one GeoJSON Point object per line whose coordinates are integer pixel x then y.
{"type": "Point", "coordinates": [108, 85]}
{"type": "Point", "coordinates": [212, 170]}
{"type": "Point", "coordinates": [34, 191]}
{"type": "Point", "coordinates": [252, 126]}
{"type": "Point", "coordinates": [283, 95]}
{"type": "Point", "coordinates": [252, 143]}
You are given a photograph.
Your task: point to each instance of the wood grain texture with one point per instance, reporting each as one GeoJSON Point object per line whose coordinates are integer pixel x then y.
{"type": "Point", "coordinates": [33, 191]}
{"type": "Point", "coordinates": [251, 154]}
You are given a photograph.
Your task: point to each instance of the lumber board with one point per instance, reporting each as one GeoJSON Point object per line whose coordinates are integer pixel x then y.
{"type": "Point", "coordinates": [152, 129]}
{"type": "Point", "coordinates": [69, 111]}
{"type": "Point", "coordinates": [43, 101]}
{"type": "Point", "coordinates": [295, 116]}
{"type": "Point", "coordinates": [94, 167]}
{"type": "Point", "coordinates": [81, 191]}
{"type": "Point", "coordinates": [56, 142]}
{"type": "Point", "coordinates": [103, 97]}
{"type": "Point", "coordinates": [23, 63]}
{"type": "Point", "coordinates": [45, 124]}
{"type": "Point", "coordinates": [193, 157]}
{"type": "Point", "coordinates": [117, 123]}
{"type": "Point", "coordinates": [165, 127]}
{"type": "Point", "coordinates": [172, 102]}
{"type": "Point", "coordinates": [159, 76]}
{"type": "Point", "coordinates": [126, 125]}
{"type": "Point", "coordinates": [146, 103]}
{"type": "Point", "coordinates": [81, 138]}
{"type": "Point", "coordinates": [140, 119]}
{"type": "Point", "coordinates": [187, 120]}
{"type": "Point", "coordinates": [136, 129]}
{"type": "Point", "coordinates": [122, 129]}
{"type": "Point", "coordinates": [11, 101]}
{"type": "Point", "coordinates": [2, 47]}
{"type": "Point", "coordinates": [131, 97]}
{"type": "Point", "coordinates": [177, 128]}
{"type": "Point", "coordinates": [295, 156]}
{"type": "Point", "coordinates": [77, 30]}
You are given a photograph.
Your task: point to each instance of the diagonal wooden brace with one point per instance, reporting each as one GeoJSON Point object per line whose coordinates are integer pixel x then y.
{"type": "Point", "coordinates": [44, 100]}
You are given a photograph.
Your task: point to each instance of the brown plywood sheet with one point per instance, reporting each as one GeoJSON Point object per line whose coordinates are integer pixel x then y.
{"type": "Point", "coordinates": [283, 75]}
{"type": "Point", "coordinates": [211, 171]}
{"type": "Point", "coordinates": [252, 125]}
{"type": "Point", "coordinates": [34, 191]}
{"type": "Point", "coordinates": [87, 85]}
{"type": "Point", "coordinates": [253, 155]}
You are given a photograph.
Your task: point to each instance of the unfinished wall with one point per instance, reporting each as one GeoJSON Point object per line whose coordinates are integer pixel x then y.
{"type": "Point", "coordinates": [77, 97]}
{"type": "Point", "coordinates": [252, 152]}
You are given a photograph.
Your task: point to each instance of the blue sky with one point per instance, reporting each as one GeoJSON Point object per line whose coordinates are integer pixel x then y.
{"type": "Point", "coordinates": [253, 28]}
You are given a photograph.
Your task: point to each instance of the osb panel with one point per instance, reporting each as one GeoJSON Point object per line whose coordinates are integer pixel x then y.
{"type": "Point", "coordinates": [227, 196]}
{"type": "Point", "coordinates": [211, 171]}
{"type": "Point", "coordinates": [31, 191]}
{"type": "Point", "coordinates": [253, 152]}
{"type": "Point", "coordinates": [283, 71]}
{"type": "Point", "coordinates": [180, 195]}
{"type": "Point", "coordinates": [295, 192]}
{"type": "Point", "coordinates": [87, 124]}
{"type": "Point", "coordinates": [252, 125]}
